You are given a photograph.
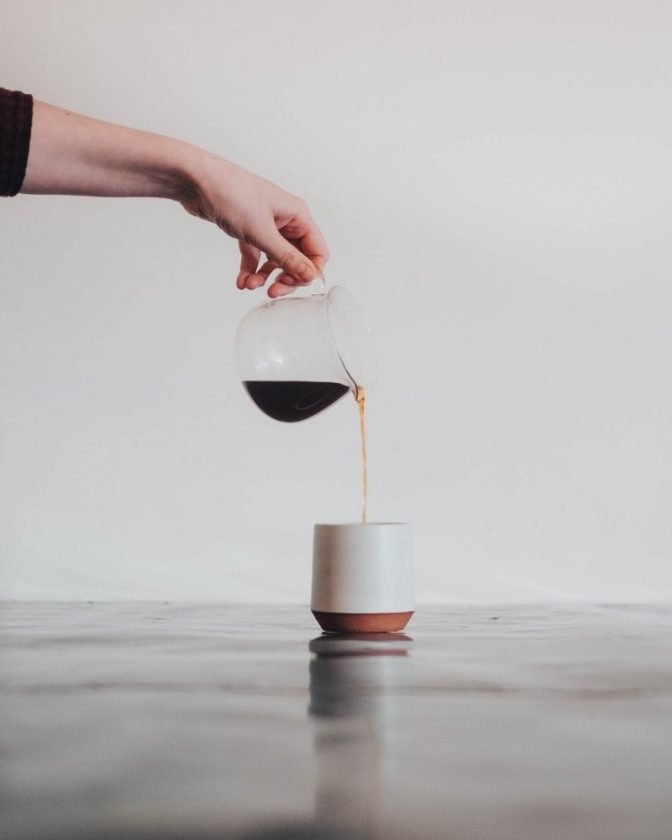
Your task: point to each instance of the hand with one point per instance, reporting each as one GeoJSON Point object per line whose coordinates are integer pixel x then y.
{"type": "Point", "coordinates": [75, 155]}
{"type": "Point", "coordinates": [264, 218]}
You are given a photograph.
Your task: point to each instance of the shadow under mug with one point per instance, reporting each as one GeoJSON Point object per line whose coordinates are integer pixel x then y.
{"type": "Point", "coordinates": [362, 577]}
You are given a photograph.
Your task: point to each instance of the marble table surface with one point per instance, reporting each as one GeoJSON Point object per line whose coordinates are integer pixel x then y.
{"type": "Point", "coordinates": [203, 721]}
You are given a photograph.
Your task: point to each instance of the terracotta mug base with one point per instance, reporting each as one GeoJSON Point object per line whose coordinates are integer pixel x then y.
{"type": "Point", "coordinates": [333, 622]}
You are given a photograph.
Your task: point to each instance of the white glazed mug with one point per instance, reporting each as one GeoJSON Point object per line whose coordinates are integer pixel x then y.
{"type": "Point", "coordinates": [362, 577]}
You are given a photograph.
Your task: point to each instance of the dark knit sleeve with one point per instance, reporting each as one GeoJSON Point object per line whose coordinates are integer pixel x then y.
{"type": "Point", "coordinates": [16, 118]}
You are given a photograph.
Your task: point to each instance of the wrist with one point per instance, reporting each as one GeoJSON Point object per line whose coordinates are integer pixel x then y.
{"type": "Point", "coordinates": [200, 170]}
{"type": "Point", "coordinates": [176, 169]}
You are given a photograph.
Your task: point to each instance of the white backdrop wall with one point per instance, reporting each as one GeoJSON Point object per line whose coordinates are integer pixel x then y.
{"type": "Point", "coordinates": [495, 183]}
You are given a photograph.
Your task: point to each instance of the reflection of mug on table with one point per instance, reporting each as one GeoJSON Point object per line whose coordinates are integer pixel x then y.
{"type": "Point", "coordinates": [350, 674]}
{"type": "Point", "coordinates": [354, 682]}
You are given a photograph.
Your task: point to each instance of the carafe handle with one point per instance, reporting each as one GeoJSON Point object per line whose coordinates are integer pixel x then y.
{"type": "Point", "coordinates": [319, 284]}
{"type": "Point", "coordinates": [317, 288]}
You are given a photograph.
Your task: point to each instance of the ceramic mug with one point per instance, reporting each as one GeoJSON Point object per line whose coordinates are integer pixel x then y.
{"type": "Point", "coordinates": [362, 577]}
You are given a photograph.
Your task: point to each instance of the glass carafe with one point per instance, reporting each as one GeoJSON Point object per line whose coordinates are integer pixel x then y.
{"type": "Point", "coordinates": [299, 354]}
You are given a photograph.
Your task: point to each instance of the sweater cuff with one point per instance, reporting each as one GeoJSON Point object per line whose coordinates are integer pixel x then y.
{"type": "Point", "coordinates": [16, 119]}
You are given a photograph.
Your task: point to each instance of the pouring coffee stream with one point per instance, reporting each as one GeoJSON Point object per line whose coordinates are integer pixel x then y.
{"type": "Point", "coordinates": [300, 354]}
{"type": "Point", "coordinates": [360, 397]}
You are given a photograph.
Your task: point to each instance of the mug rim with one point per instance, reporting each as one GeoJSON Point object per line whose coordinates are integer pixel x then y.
{"type": "Point", "coordinates": [359, 524]}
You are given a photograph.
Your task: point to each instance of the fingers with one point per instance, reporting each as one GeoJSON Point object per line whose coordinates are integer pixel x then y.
{"type": "Point", "coordinates": [250, 276]}
{"type": "Point", "coordinates": [249, 260]}
{"type": "Point", "coordinates": [278, 289]}
{"type": "Point", "coordinates": [306, 236]}
{"type": "Point", "coordinates": [293, 244]}
{"type": "Point", "coordinates": [294, 264]}
{"type": "Point", "coordinates": [264, 272]}
{"type": "Point", "coordinates": [312, 244]}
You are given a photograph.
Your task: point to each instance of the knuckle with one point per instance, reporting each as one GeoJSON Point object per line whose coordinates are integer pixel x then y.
{"type": "Point", "coordinates": [289, 261]}
{"type": "Point", "coordinates": [296, 265]}
{"type": "Point", "coordinates": [300, 206]}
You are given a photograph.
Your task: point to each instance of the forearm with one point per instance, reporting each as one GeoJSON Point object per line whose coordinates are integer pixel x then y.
{"type": "Point", "coordinates": [74, 155]}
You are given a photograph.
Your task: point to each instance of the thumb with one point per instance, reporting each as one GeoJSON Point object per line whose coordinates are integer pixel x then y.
{"type": "Point", "coordinates": [288, 258]}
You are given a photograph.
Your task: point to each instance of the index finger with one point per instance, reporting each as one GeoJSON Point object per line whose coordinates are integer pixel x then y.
{"type": "Point", "coordinates": [308, 238]}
